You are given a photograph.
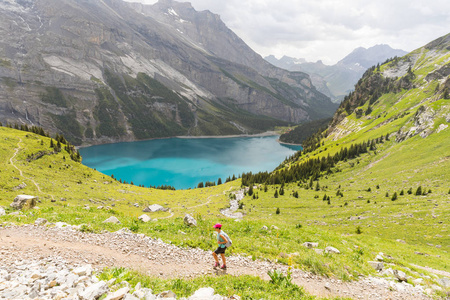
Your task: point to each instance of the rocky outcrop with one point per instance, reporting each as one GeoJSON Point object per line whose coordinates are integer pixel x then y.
{"type": "Point", "coordinates": [24, 202]}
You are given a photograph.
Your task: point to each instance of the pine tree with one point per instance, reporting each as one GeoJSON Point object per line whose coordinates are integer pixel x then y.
{"type": "Point", "coordinates": [219, 181]}
{"type": "Point", "coordinates": [200, 185]}
{"type": "Point", "coordinates": [281, 191]}
{"type": "Point", "coordinates": [276, 194]}
{"type": "Point", "coordinates": [419, 191]}
{"type": "Point", "coordinates": [278, 211]}
{"type": "Point", "coordinates": [250, 190]}
{"type": "Point", "coordinates": [402, 193]}
{"type": "Point", "coordinates": [409, 191]}
{"type": "Point", "coordinates": [394, 197]}
{"type": "Point", "coordinates": [265, 188]}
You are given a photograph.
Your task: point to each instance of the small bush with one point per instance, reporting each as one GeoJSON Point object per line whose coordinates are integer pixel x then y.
{"type": "Point", "coordinates": [358, 230]}
{"type": "Point", "coordinates": [298, 226]}
{"type": "Point", "coordinates": [134, 227]}
{"type": "Point", "coordinates": [402, 193]}
{"type": "Point", "coordinates": [278, 211]}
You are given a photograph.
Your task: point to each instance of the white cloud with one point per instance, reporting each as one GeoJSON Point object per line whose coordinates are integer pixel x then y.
{"type": "Point", "coordinates": [330, 29]}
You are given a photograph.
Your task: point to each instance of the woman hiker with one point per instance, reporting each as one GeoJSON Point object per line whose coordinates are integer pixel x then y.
{"type": "Point", "coordinates": [221, 240]}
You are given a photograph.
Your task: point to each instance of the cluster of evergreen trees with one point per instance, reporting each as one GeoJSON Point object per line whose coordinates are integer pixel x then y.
{"type": "Point", "coordinates": [304, 131]}
{"type": "Point", "coordinates": [24, 127]}
{"type": "Point", "coordinates": [56, 146]}
{"type": "Point", "coordinates": [312, 168]}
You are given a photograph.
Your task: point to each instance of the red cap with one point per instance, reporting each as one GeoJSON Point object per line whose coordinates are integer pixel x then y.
{"type": "Point", "coordinates": [218, 225]}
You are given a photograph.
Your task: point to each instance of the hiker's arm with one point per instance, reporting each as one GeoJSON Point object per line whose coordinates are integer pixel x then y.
{"type": "Point", "coordinates": [224, 240]}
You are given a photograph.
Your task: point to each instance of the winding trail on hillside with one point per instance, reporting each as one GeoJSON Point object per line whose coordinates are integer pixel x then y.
{"type": "Point", "coordinates": [11, 160]}
{"type": "Point", "coordinates": [152, 256]}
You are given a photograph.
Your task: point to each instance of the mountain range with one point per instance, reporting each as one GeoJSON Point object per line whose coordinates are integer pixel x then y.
{"type": "Point", "coordinates": [339, 79]}
{"type": "Point", "coordinates": [106, 70]}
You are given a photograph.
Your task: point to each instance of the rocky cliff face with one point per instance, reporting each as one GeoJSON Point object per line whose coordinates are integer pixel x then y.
{"type": "Point", "coordinates": [105, 70]}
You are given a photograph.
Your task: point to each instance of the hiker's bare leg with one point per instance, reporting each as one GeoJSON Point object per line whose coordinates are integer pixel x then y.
{"type": "Point", "coordinates": [223, 258]}
{"type": "Point", "coordinates": [215, 257]}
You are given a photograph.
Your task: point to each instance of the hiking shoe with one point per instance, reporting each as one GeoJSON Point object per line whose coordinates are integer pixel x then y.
{"type": "Point", "coordinates": [216, 265]}
{"type": "Point", "coordinates": [223, 267]}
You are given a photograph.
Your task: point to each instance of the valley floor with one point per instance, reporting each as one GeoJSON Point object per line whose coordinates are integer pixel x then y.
{"type": "Point", "coordinates": [156, 258]}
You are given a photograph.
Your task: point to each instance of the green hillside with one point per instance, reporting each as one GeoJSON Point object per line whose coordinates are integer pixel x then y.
{"type": "Point", "coordinates": [359, 195]}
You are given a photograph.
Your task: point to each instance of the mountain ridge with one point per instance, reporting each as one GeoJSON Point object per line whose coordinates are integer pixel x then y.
{"type": "Point", "coordinates": [61, 57]}
{"type": "Point", "coordinates": [339, 79]}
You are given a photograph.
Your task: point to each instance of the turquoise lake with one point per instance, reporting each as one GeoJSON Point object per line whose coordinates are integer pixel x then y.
{"type": "Point", "coordinates": [183, 163]}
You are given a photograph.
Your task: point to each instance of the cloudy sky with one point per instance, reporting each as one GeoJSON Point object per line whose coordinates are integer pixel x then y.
{"type": "Point", "coordinates": [329, 29]}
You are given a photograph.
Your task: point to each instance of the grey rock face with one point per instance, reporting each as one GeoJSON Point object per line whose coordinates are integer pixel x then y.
{"type": "Point", "coordinates": [78, 72]}
{"type": "Point", "coordinates": [24, 202]}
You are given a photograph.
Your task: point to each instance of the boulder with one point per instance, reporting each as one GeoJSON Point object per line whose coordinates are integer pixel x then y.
{"type": "Point", "coordinates": [119, 294]}
{"type": "Point", "coordinates": [330, 249]}
{"type": "Point", "coordinates": [318, 251]}
{"type": "Point", "coordinates": [379, 257]}
{"type": "Point", "coordinates": [112, 219]}
{"type": "Point", "coordinates": [189, 220]}
{"type": "Point", "coordinates": [203, 293]}
{"type": "Point", "coordinates": [310, 245]}
{"type": "Point", "coordinates": [274, 227]}
{"type": "Point", "coordinates": [265, 228]}
{"type": "Point", "coordinates": [376, 265]}
{"type": "Point", "coordinates": [82, 271]}
{"type": "Point", "coordinates": [94, 291]}
{"type": "Point", "coordinates": [24, 202]}
{"type": "Point", "coordinates": [167, 294]}
{"type": "Point", "coordinates": [144, 218]}
{"type": "Point", "coordinates": [40, 221]}
{"type": "Point", "coordinates": [155, 208]}
{"type": "Point", "coordinates": [2, 211]}
{"type": "Point", "coordinates": [401, 276]}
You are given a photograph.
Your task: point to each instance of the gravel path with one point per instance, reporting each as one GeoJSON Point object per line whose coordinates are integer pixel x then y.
{"type": "Point", "coordinates": [154, 257]}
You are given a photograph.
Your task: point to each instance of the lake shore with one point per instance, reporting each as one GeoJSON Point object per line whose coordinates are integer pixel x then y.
{"type": "Point", "coordinates": [290, 144]}
{"type": "Point", "coordinates": [267, 133]}
{"type": "Point", "coordinates": [262, 134]}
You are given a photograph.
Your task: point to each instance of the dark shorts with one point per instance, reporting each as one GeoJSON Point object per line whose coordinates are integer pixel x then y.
{"type": "Point", "coordinates": [220, 250]}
